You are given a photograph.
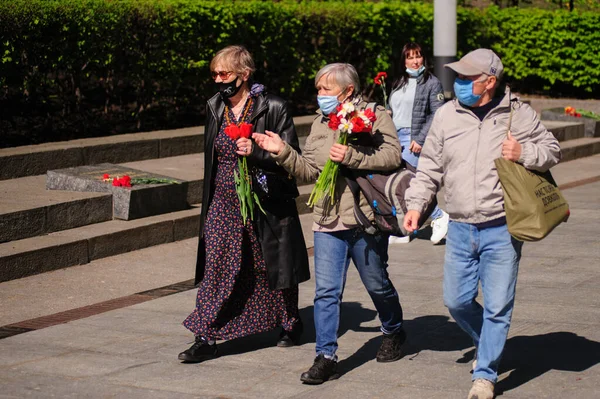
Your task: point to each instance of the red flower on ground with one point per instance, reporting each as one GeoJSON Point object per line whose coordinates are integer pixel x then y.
{"type": "Point", "coordinates": [379, 78]}
{"type": "Point", "coordinates": [124, 181]}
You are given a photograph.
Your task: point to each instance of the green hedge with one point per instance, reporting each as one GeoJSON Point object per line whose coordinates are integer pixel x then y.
{"type": "Point", "coordinates": [80, 68]}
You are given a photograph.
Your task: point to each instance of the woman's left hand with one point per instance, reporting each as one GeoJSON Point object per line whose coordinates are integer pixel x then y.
{"type": "Point", "coordinates": [338, 152]}
{"type": "Point", "coordinates": [244, 146]}
{"type": "Point", "coordinates": [415, 148]}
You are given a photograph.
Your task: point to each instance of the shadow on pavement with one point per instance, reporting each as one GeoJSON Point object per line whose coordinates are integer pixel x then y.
{"type": "Point", "coordinates": [353, 315]}
{"type": "Point", "coordinates": [434, 333]}
{"type": "Point", "coordinates": [528, 357]}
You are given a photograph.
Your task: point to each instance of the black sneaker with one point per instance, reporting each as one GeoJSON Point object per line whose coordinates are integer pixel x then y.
{"type": "Point", "coordinates": [199, 352]}
{"type": "Point", "coordinates": [291, 338]}
{"type": "Point", "coordinates": [390, 350]}
{"type": "Point", "coordinates": [322, 370]}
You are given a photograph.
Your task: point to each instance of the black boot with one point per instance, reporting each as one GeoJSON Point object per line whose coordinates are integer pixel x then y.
{"type": "Point", "coordinates": [199, 352]}
{"type": "Point", "coordinates": [291, 338]}
{"type": "Point", "coordinates": [322, 370]}
{"type": "Point", "coordinates": [390, 349]}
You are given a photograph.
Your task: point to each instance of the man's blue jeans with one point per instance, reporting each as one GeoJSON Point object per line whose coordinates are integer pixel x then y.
{"type": "Point", "coordinates": [490, 255]}
{"type": "Point", "coordinates": [333, 251]}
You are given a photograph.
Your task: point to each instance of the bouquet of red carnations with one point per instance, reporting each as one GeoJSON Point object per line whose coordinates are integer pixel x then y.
{"type": "Point", "coordinates": [348, 120]}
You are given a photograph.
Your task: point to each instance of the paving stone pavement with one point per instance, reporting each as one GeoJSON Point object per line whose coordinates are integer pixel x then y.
{"type": "Point", "coordinates": [553, 350]}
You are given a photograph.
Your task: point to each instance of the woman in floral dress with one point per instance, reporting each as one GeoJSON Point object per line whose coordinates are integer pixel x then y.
{"type": "Point", "coordinates": [248, 273]}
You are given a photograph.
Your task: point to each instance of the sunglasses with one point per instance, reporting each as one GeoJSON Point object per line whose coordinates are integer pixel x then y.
{"type": "Point", "coordinates": [222, 74]}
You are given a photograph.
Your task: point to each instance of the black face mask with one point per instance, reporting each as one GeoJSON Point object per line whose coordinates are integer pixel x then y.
{"type": "Point", "coordinates": [229, 89]}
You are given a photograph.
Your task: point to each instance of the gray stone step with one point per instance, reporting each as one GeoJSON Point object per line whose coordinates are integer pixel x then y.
{"type": "Point", "coordinates": [81, 245]}
{"type": "Point", "coordinates": [38, 159]}
{"type": "Point", "coordinates": [28, 209]}
{"type": "Point", "coordinates": [580, 148]}
{"type": "Point", "coordinates": [591, 126]}
{"type": "Point", "coordinates": [565, 130]}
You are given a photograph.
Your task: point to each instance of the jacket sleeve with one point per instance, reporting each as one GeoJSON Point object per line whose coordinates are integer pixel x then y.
{"type": "Point", "coordinates": [284, 126]}
{"type": "Point", "coordinates": [539, 148]}
{"type": "Point", "coordinates": [302, 167]}
{"type": "Point", "coordinates": [430, 171]}
{"type": "Point", "coordinates": [435, 99]}
{"type": "Point", "coordinates": [385, 155]}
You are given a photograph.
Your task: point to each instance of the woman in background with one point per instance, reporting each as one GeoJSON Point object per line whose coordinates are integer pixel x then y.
{"type": "Point", "coordinates": [415, 97]}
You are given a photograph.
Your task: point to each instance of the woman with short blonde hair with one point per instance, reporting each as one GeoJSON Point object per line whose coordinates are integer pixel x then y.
{"type": "Point", "coordinates": [247, 285]}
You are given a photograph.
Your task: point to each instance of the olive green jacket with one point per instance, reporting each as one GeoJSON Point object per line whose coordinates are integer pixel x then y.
{"type": "Point", "coordinates": [381, 152]}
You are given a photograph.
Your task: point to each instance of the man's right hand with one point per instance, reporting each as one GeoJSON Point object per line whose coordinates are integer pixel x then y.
{"type": "Point", "coordinates": [411, 220]}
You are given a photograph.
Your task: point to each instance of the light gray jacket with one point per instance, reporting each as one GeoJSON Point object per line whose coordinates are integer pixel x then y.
{"type": "Point", "coordinates": [383, 155]}
{"type": "Point", "coordinates": [460, 151]}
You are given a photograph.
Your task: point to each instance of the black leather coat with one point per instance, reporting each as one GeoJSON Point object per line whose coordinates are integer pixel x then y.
{"type": "Point", "coordinates": [279, 231]}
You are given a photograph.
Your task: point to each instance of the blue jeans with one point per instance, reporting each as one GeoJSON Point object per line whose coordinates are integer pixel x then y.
{"type": "Point", "coordinates": [369, 253]}
{"type": "Point", "coordinates": [489, 255]}
{"type": "Point", "coordinates": [413, 159]}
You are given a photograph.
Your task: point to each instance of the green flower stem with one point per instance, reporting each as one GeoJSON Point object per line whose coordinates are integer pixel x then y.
{"type": "Point", "coordinates": [243, 189]}
{"type": "Point", "coordinates": [152, 180]}
{"type": "Point", "coordinates": [325, 184]}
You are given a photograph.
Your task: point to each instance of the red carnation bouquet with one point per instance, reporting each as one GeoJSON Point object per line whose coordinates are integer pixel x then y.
{"type": "Point", "coordinates": [348, 120]}
{"type": "Point", "coordinates": [243, 182]}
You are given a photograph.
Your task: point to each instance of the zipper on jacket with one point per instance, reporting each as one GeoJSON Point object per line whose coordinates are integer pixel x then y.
{"type": "Point", "coordinates": [490, 115]}
{"type": "Point", "coordinates": [475, 167]}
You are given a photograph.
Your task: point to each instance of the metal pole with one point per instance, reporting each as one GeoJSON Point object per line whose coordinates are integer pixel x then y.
{"type": "Point", "coordinates": [444, 42]}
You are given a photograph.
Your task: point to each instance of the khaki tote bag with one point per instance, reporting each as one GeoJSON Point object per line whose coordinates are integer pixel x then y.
{"type": "Point", "coordinates": [533, 203]}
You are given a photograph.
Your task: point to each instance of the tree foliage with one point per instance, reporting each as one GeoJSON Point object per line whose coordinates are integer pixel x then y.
{"type": "Point", "coordinates": [81, 68]}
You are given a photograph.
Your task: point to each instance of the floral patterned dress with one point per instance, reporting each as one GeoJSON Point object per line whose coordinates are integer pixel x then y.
{"type": "Point", "coordinates": [234, 299]}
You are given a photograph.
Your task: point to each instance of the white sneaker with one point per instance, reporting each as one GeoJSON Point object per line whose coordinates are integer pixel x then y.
{"type": "Point", "coordinates": [481, 389]}
{"type": "Point", "coordinates": [399, 240]}
{"type": "Point", "coordinates": [439, 228]}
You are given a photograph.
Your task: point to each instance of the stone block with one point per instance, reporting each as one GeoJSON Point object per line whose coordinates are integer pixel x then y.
{"type": "Point", "coordinates": [194, 194]}
{"type": "Point", "coordinates": [138, 201]}
{"type": "Point", "coordinates": [592, 126]}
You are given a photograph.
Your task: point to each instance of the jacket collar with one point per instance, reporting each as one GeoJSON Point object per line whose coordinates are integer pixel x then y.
{"type": "Point", "coordinates": [504, 103]}
{"type": "Point", "coordinates": [216, 106]}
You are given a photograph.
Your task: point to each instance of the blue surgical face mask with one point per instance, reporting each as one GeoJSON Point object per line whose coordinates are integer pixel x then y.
{"type": "Point", "coordinates": [463, 89]}
{"type": "Point", "coordinates": [328, 104]}
{"type": "Point", "coordinates": [415, 73]}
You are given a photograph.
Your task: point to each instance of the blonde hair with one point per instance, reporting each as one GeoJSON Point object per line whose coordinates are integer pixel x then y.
{"type": "Point", "coordinates": [235, 58]}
